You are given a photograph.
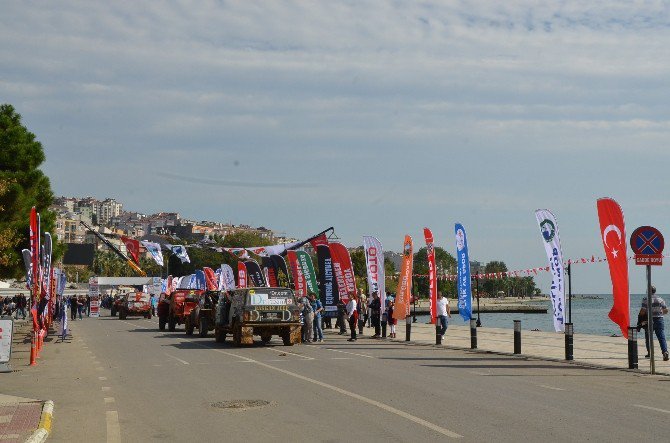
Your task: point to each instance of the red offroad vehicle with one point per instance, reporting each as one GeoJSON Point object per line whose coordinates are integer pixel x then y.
{"type": "Point", "coordinates": [182, 302]}
{"type": "Point", "coordinates": [135, 304]}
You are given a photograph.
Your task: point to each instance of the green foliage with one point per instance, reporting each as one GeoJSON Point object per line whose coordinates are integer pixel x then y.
{"type": "Point", "coordinates": [22, 186]}
{"type": "Point", "coordinates": [445, 263]}
{"type": "Point", "coordinates": [513, 286]}
{"type": "Point", "coordinates": [243, 240]}
{"type": "Point", "coordinates": [361, 273]}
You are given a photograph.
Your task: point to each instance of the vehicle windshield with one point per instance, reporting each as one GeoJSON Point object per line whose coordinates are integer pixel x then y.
{"type": "Point", "coordinates": [270, 297]}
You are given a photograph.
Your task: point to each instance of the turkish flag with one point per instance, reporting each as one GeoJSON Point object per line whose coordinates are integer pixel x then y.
{"type": "Point", "coordinates": [613, 234]}
{"type": "Point", "coordinates": [133, 248]}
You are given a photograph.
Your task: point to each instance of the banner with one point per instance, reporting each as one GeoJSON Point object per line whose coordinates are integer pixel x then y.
{"type": "Point", "coordinates": [613, 234]}
{"type": "Point", "coordinates": [180, 252]}
{"type": "Point", "coordinates": [35, 255]}
{"type": "Point", "coordinates": [283, 276]}
{"type": "Point", "coordinates": [552, 245]}
{"type": "Point", "coordinates": [404, 293]}
{"type": "Point", "coordinates": [211, 279]}
{"type": "Point", "coordinates": [48, 245]}
{"type": "Point", "coordinates": [254, 274]}
{"type": "Point", "coordinates": [239, 253]}
{"type": "Point", "coordinates": [269, 271]}
{"type": "Point", "coordinates": [374, 265]}
{"type": "Point", "coordinates": [342, 292]}
{"type": "Point", "coordinates": [227, 278]}
{"type": "Point", "coordinates": [328, 284]}
{"type": "Point", "coordinates": [320, 240]}
{"type": "Point", "coordinates": [432, 274]}
{"type": "Point", "coordinates": [155, 251]}
{"type": "Point", "coordinates": [300, 284]}
{"type": "Point", "coordinates": [132, 247]}
{"type": "Point", "coordinates": [463, 265]}
{"type": "Point", "coordinates": [27, 261]}
{"type": "Point", "coordinates": [241, 275]}
{"type": "Point", "coordinates": [342, 263]}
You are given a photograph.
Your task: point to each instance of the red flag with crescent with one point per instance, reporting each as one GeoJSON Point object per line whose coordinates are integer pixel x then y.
{"type": "Point", "coordinates": [133, 248]}
{"type": "Point", "coordinates": [613, 234]}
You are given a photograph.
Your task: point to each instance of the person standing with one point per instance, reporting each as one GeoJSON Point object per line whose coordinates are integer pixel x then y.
{"type": "Point", "coordinates": [375, 307]}
{"type": "Point", "coordinates": [317, 307]}
{"type": "Point", "coordinates": [341, 317]}
{"type": "Point", "coordinates": [443, 312]}
{"type": "Point", "coordinates": [658, 310]}
{"type": "Point", "coordinates": [73, 307]}
{"type": "Point", "coordinates": [362, 312]}
{"type": "Point", "coordinates": [391, 320]}
{"type": "Point", "coordinates": [308, 316]}
{"type": "Point", "coordinates": [352, 315]}
{"type": "Point", "coordinates": [81, 302]}
{"type": "Point", "coordinates": [88, 305]}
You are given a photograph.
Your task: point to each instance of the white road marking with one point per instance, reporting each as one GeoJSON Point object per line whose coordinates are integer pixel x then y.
{"type": "Point", "coordinates": [383, 406]}
{"type": "Point", "coordinates": [553, 388]}
{"type": "Point", "coordinates": [9, 436]}
{"type": "Point", "coordinates": [158, 366]}
{"type": "Point", "coordinates": [113, 427]}
{"type": "Point", "coordinates": [289, 353]}
{"type": "Point", "coordinates": [109, 400]}
{"type": "Point", "coordinates": [132, 324]}
{"type": "Point", "coordinates": [178, 359]}
{"type": "Point", "coordinates": [652, 409]}
{"type": "Point", "coordinates": [341, 358]}
{"type": "Point", "coordinates": [106, 388]}
{"type": "Point", "coordinates": [102, 378]}
{"type": "Point", "coordinates": [478, 373]}
{"type": "Point", "coordinates": [350, 353]}
{"type": "Point", "coordinates": [99, 369]}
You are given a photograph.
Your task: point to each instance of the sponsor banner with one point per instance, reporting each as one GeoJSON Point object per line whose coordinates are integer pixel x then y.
{"type": "Point", "coordinates": [432, 274]}
{"type": "Point", "coordinates": [404, 293]}
{"type": "Point", "coordinates": [241, 275]}
{"type": "Point", "coordinates": [27, 261]}
{"type": "Point", "coordinates": [227, 278]}
{"type": "Point", "coordinates": [155, 251]}
{"type": "Point", "coordinates": [307, 269]}
{"type": "Point", "coordinates": [132, 247]}
{"type": "Point", "coordinates": [48, 245]}
{"type": "Point", "coordinates": [211, 280]}
{"type": "Point", "coordinates": [283, 276]}
{"type": "Point", "coordinates": [320, 240]}
{"type": "Point", "coordinates": [613, 235]}
{"type": "Point", "coordinates": [34, 253]}
{"type": "Point", "coordinates": [552, 246]}
{"type": "Point", "coordinates": [345, 268]}
{"type": "Point", "coordinates": [200, 280]}
{"type": "Point", "coordinates": [464, 288]}
{"type": "Point", "coordinates": [239, 253]}
{"type": "Point", "coordinates": [300, 284]}
{"type": "Point", "coordinates": [269, 271]}
{"type": "Point", "coordinates": [254, 274]}
{"type": "Point", "coordinates": [374, 265]}
{"type": "Point", "coordinates": [328, 289]}
{"type": "Point", "coordinates": [95, 306]}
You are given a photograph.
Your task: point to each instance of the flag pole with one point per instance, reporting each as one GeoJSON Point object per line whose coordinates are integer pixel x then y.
{"type": "Point", "coordinates": [569, 292]}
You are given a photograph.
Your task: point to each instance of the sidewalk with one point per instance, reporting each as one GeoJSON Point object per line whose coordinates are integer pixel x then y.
{"type": "Point", "coordinates": [19, 416]}
{"type": "Point", "coordinates": [594, 350]}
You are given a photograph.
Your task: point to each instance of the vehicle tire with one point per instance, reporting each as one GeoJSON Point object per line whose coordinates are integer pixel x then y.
{"type": "Point", "coordinates": [188, 325]}
{"type": "Point", "coordinates": [161, 323]}
{"type": "Point", "coordinates": [149, 316]}
{"type": "Point", "coordinates": [265, 337]}
{"type": "Point", "coordinates": [172, 323]}
{"type": "Point", "coordinates": [204, 327]}
{"type": "Point", "coordinates": [237, 334]}
{"type": "Point", "coordinates": [219, 336]}
{"type": "Point", "coordinates": [286, 338]}
{"type": "Point", "coordinates": [113, 312]}
{"type": "Point", "coordinates": [122, 314]}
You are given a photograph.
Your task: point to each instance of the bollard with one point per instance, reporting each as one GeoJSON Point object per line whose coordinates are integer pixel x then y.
{"type": "Point", "coordinates": [632, 348]}
{"type": "Point", "coordinates": [517, 336]}
{"type": "Point", "coordinates": [33, 351]}
{"type": "Point", "coordinates": [408, 329]}
{"type": "Point", "coordinates": [438, 336]}
{"type": "Point", "coordinates": [383, 329]}
{"type": "Point", "coordinates": [473, 333]}
{"type": "Point", "coordinates": [569, 333]}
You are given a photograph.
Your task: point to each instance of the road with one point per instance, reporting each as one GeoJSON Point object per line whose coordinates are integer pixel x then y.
{"type": "Point", "coordinates": [126, 381]}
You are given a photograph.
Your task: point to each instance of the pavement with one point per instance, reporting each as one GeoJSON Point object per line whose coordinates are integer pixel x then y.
{"type": "Point", "coordinates": [594, 350]}
{"type": "Point", "coordinates": [124, 380]}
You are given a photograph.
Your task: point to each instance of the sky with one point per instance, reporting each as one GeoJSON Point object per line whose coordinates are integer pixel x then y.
{"type": "Point", "coordinates": [374, 117]}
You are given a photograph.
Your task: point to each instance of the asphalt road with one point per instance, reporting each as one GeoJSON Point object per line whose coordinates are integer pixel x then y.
{"type": "Point", "coordinates": [126, 381]}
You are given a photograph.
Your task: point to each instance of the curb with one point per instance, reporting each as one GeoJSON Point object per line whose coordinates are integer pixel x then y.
{"type": "Point", "coordinates": [44, 428]}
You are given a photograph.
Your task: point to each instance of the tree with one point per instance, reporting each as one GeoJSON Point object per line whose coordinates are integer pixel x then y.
{"type": "Point", "coordinates": [361, 271]}
{"type": "Point", "coordinates": [494, 285]}
{"type": "Point", "coordinates": [445, 263]}
{"type": "Point", "coordinates": [22, 186]}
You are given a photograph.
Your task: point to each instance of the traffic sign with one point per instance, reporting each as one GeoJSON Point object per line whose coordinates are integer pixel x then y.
{"type": "Point", "coordinates": [647, 243]}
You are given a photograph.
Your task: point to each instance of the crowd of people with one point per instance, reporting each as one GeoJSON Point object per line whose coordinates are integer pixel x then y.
{"type": "Point", "coordinates": [14, 305]}
{"type": "Point", "coordinates": [357, 313]}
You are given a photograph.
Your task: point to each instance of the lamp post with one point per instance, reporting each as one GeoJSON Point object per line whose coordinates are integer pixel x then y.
{"type": "Point", "coordinates": [479, 319]}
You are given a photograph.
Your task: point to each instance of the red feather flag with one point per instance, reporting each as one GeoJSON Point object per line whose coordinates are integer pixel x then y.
{"type": "Point", "coordinates": [613, 234]}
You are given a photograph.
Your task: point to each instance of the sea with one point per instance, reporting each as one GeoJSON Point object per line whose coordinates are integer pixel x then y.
{"type": "Point", "coordinates": [589, 315]}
